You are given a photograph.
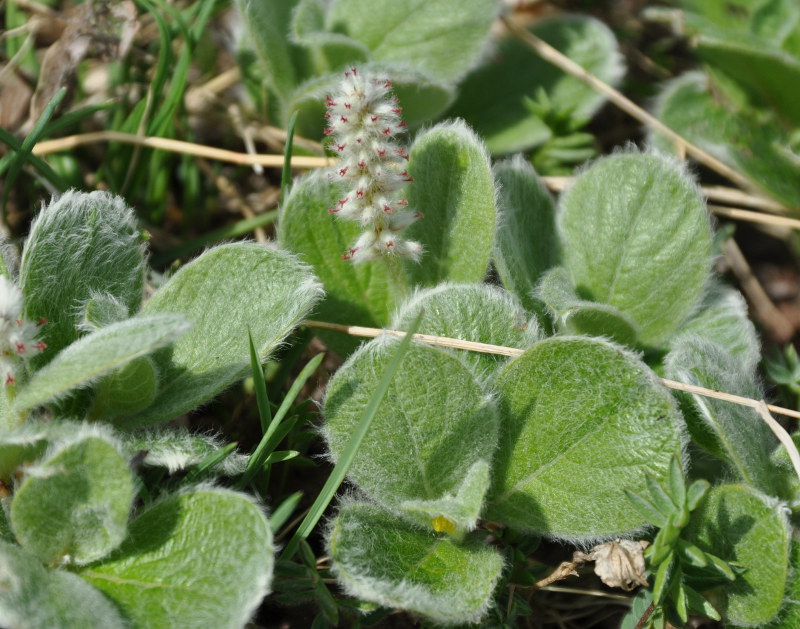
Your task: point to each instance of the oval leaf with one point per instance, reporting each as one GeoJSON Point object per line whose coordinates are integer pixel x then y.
{"type": "Point", "coordinates": [741, 524]}
{"type": "Point", "coordinates": [80, 245]}
{"type": "Point", "coordinates": [197, 560]}
{"type": "Point", "coordinates": [75, 503]}
{"type": "Point", "coordinates": [582, 420]}
{"type": "Point", "coordinates": [454, 189]}
{"type": "Point", "coordinates": [224, 293]}
{"type": "Point", "coordinates": [636, 236]}
{"type": "Point", "coordinates": [379, 559]}
{"type": "Point", "coordinates": [99, 353]}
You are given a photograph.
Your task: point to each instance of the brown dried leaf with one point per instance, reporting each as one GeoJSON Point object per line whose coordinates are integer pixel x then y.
{"type": "Point", "coordinates": [15, 94]}
{"type": "Point", "coordinates": [100, 28]}
{"type": "Point", "coordinates": [620, 563]}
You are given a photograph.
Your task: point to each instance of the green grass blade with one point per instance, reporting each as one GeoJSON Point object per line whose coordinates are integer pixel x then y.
{"type": "Point", "coordinates": [260, 385]}
{"type": "Point", "coordinates": [212, 460]}
{"type": "Point", "coordinates": [259, 457]}
{"type": "Point", "coordinates": [284, 510]}
{"type": "Point", "coordinates": [286, 174]}
{"type": "Point", "coordinates": [348, 455]}
{"type": "Point", "coordinates": [41, 166]}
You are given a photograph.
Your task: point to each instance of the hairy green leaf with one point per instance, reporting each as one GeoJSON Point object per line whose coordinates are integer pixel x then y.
{"type": "Point", "coordinates": [199, 559]}
{"type": "Point", "coordinates": [80, 245]}
{"type": "Point", "coordinates": [581, 421]}
{"type": "Point", "coordinates": [636, 236]}
{"type": "Point", "coordinates": [741, 524]}
{"type": "Point", "coordinates": [74, 504]}
{"type": "Point", "coordinates": [454, 189]}
{"type": "Point", "coordinates": [434, 424]}
{"type": "Point", "coordinates": [443, 38]}
{"type": "Point", "coordinates": [492, 97]}
{"type": "Point", "coordinates": [224, 292]}
{"type": "Point", "coordinates": [471, 312]}
{"type": "Point", "coordinates": [526, 243]}
{"type": "Point", "coordinates": [733, 432]}
{"type": "Point", "coordinates": [99, 353]}
{"type": "Point", "coordinates": [33, 597]}
{"type": "Point", "coordinates": [380, 559]}
{"type": "Point", "coordinates": [356, 294]}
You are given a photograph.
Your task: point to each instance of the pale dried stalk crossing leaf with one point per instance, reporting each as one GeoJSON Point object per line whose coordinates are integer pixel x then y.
{"type": "Point", "coordinates": [486, 348]}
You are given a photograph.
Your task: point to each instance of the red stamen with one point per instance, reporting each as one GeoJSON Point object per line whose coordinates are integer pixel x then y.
{"type": "Point", "coordinates": [41, 346]}
{"type": "Point", "coordinates": [10, 379]}
{"type": "Point", "coordinates": [20, 348]}
{"type": "Point", "coordinates": [342, 202]}
{"type": "Point", "coordinates": [387, 131]}
{"type": "Point", "coordinates": [41, 322]}
{"type": "Point", "coordinates": [340, 147]}
{"type": "Point", "coordinates": [343, 171]}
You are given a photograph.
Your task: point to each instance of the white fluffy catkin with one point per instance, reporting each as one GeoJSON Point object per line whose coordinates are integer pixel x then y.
{"type": "Point", "coordinates": [363, 122]}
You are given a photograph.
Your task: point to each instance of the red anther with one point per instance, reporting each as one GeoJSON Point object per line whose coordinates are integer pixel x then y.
{"type": "Point", "coordinates": [343, 171]}
{"type": "Point", "coordinates": [397, 110]}
{"type": "Point", "coordinates": [387, 131]}
{"type": "Point", "coordinates": [328, 131]}
{"type": "Point", "coordinates": [343, 119]}
{"type": "Point", "coordinates": [347, 75]}
{"type": "Point", "coordinates": [341, 202]}
{"type": "Point", "coordinates": [374, 118]}
{"type": "Point", "coordinates": [41, 322]}
{"type": "Point", "coordinates": [402, 123]}
{"type": "Point", "coordinates": [360, 194]}
{"type": "Point", "coordinates": [328, 115]}
{"type": "Point", "coordinates": [388, 84]}
{"type": "Point", "coordinates": [354, 71]}
{"type": "Point", "coordinates": [389, 243]}
{"type": "Point", "coordinates": [347, 106]}
{"type": "Point", "coordinates": [340, 147]}
{"type": "Point", "coordinates": [387, 209]}
{"type": "Point", "coordinates": [329, 102]}
{"type": "Point", "coordinates": [358, 141]}
{"type": "Point", "coordinates": [419, 215]}
{"type": "Point", "coordinates": [333, 210]}
{"type": "Point", "coordinates": [41, 346]}
{"type": "Point", "coordinates": [10, 379]}
{"type": "Point", "coordinates": [381, 153]}
{"type": "Point", "coordinates": [400, 151]}
{"type": "Point", "coordinates": [362, 165]}
{"type": "Point", "coordinates": [402, 202]}
{"type": "Point", "coordinates": [20, 348]}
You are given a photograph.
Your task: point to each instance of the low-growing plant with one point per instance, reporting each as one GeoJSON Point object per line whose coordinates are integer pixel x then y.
{"type": "Point", "coordinates": [601, 294]}
{"type": "Point", "coordinates": [740, 105]}
{"type": "Point", "coordinates": [90, 537]}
